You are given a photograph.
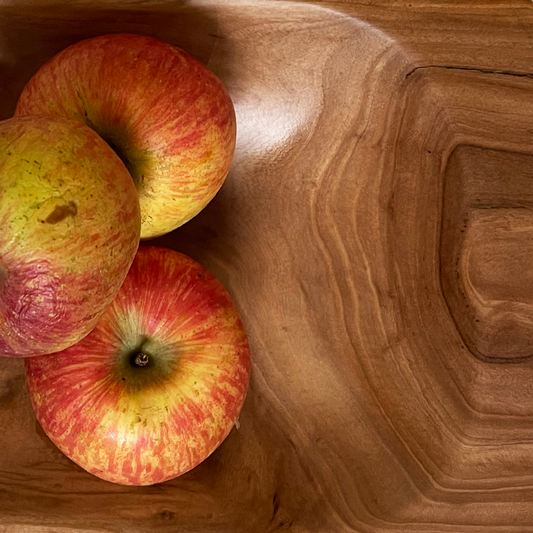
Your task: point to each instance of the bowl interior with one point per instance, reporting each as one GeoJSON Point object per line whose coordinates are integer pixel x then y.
{"type": "Point", "coordinates": [374, 233]}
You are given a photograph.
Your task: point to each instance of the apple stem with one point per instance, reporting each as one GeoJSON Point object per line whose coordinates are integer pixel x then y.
{"type": "Point", "coordinates": [141, 359]}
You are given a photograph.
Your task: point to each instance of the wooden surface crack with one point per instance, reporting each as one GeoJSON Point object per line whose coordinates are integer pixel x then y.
{"type": "Point", "coordinates": [471, 69]}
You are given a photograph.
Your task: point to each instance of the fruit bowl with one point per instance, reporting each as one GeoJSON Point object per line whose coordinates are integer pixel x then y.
{"type": "Point", "coordinates": [375, 233]}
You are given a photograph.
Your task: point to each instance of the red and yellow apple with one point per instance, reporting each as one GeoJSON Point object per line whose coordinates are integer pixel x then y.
{"type": "Point", "coordinates": [167, 116]}
{"type": "Point", "coordinates": [69, 230]}
{"type": "Point", "coordinates": [156, 387]}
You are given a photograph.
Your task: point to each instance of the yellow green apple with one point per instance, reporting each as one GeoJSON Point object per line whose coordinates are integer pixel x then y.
{"type": "Point", "coordinates": [69, 231]}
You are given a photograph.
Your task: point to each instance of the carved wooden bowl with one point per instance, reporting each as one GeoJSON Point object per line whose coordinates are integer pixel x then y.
{"type": "Point", "coordinates": [376, 232]}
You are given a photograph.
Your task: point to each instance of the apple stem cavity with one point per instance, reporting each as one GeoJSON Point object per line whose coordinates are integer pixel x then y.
{"type": "Point", "coordinates": [121, 153]}
{"type": "Point", "coordinates": [142, 359]}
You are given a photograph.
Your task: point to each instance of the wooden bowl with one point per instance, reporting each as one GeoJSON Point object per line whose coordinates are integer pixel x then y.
{"type": "Point", "coordinates": [376, 232]}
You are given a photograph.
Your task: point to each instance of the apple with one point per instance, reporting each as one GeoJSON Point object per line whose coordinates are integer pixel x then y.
{"type": "Point", "coordinates": [70, 227]}
{"type": "Point", "coordinates": [158, 384]}
{"type": "Point", "coordinates": [167, 116]}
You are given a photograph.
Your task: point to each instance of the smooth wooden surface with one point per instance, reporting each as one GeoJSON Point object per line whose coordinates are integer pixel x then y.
{"type": "Point", "coordinates": [376, 232]}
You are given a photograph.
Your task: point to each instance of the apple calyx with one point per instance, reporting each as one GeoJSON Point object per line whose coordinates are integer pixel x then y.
{"type": "Point", "coordinates": [142, 359]}
{"type": "Point", "coordinates": [146, 363]}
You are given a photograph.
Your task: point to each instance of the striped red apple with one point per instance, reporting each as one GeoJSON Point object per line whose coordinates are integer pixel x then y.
{"type": "Point", "coordinates": [158, 384]}
{"type": "Point", "coordinates": [166, 115]}
{"type": "Point", "coordinates": [69, 230]}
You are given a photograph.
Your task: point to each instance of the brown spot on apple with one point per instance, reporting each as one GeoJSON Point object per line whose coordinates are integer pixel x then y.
{"type": "Point", "coordinates": [61, 212]}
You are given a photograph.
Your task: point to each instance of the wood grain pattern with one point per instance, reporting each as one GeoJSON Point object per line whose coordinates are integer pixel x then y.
{"type": "Point", "coordinates": [375, 232]}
